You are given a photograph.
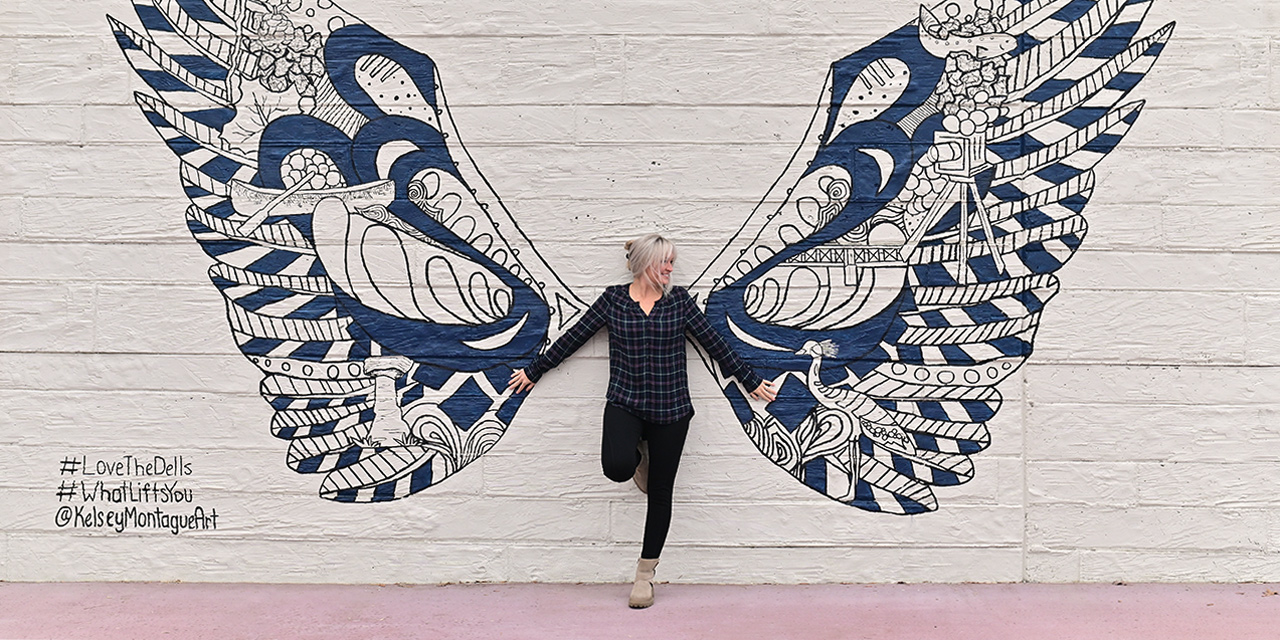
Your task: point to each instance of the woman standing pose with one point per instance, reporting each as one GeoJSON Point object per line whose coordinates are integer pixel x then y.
{"type": "Point", "coordinates": [648, 394]}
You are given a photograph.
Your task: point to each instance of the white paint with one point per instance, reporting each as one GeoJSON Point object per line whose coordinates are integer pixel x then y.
{"type": "Point", "coordinates": [1139, 443]}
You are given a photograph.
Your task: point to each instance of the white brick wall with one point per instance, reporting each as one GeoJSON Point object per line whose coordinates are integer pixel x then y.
{"type": "Point", "coordinates": [1141, 442]}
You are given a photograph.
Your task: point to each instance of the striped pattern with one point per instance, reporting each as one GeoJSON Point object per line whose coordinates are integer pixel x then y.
{"type": "Point", "coordinates": [969, 319]}
{"type": "Point", "coordinates": [280, 302]}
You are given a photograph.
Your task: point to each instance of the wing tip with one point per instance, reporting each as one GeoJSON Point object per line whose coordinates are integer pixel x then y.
{"type": "Point", "coordinates": [1161, 37]}
{"type": "Point", "coordinates": [1130, 109]}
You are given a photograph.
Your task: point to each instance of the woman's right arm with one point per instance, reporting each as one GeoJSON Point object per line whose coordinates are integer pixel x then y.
{"type": "Point", "coordinates": [572, 340]}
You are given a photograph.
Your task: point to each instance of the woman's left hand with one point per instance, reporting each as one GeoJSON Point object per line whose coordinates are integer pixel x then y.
{"type": "Point", "coordinates": [519, 381]}
{"type": "Point", "coordinates": [767, 391]}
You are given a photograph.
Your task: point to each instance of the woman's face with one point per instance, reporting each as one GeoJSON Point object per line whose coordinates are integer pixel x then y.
{"type": "Point", "coordinates": [662, 270]}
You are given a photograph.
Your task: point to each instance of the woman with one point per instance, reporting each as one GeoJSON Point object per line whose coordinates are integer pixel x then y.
{"type": "Point", "coordinates": [648, 394]}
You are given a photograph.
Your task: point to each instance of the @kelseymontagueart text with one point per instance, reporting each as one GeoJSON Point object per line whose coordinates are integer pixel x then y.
{"type": "Point", "coordinates": [131, 493]}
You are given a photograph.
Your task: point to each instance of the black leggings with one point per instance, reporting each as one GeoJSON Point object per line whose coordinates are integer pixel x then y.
{"type": "Point", "coordinates": [619, 457]}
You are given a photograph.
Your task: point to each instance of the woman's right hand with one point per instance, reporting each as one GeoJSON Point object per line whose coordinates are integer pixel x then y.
{"type": "Point", "coordinates": [520, 381]}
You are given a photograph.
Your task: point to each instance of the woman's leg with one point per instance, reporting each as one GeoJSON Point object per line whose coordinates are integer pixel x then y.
{"type": "Point", "coordinates": [666, 443]}
{"type": "Point", "coordinates": [618, 453]}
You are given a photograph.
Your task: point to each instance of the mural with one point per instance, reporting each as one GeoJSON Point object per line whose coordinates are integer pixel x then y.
{"type": "Point", "coordinates": [892, 277]}
{"type": "Point", "coordinates": [368, 269]}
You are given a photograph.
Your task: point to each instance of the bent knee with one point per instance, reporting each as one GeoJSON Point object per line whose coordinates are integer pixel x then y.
{"type": "Point", "coordinates": [619, 472]}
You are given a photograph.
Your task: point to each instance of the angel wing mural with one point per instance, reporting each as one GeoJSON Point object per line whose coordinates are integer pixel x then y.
{"type": "Point", "coordinates": [368, 268]}
{"type": "Point", "coordinates": [896, 271]}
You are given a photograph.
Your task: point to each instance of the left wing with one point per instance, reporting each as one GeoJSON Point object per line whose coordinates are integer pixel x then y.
{"type": "Point", "coordinates": [368, 270]}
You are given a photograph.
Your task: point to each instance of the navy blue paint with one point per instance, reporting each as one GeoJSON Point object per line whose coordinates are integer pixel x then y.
{"type": "Point", "coordinates": [198, 10]}
{"type": "Point", "coordinates": [1113, 42]}
{"type": "Point", "coordinates": [815, 474]}
{"type": "Point", "coordinates": [273, 262]}
{"type": "Point", "coordinates": [221, 168]}
{"type": "Point", "coordinates": [202, 67]}
{"type": "Point", "coordinates": [1075, 10]}
{"type": "Point", "coordinates": [163, 81]}
{"type": "Point", "coordinates": [421, 478]}
{"type": "Point", "coordinates": [467, 404]}
{"type": "Point", "coordinates": [152, 19]}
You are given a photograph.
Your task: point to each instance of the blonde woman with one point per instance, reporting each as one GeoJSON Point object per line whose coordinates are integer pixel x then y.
{"type": "Point", "coordinates": [648, 394]}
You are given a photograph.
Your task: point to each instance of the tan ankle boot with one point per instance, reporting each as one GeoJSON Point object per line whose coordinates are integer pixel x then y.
{"type": "Point", "coordinates": [642, 590]}
{"type": "Point", "coordinates": [641, 476]}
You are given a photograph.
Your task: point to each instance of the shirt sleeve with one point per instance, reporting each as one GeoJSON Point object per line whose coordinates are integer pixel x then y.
{"type": "Point", "coordinates": [697, 325]}
{"type": "Point", "coordinates": [571, 341]}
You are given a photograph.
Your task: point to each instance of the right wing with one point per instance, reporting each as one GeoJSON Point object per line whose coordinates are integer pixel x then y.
{"type": "Point", "coordinates": [948, 175]}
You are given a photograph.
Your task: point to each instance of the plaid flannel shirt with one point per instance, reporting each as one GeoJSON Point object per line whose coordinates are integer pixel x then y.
{"type": "Point", "coordinates": [648, 375]}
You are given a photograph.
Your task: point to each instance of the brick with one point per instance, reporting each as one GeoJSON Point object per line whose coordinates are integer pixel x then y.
{"type": "Point", "coordinates": [1262, 312]}
{"type": "Point", "coordinates": [755, 565]}
{"type": "Point", "coordinates": [47, 125]}
{"type": "Point", "coordinates": [135, 318]}
{"type": "Point", "coordinates": [1146, 528]}
{"type": "Point", "coordinates": [122, 419]}
{"type": "Point", "coordinates": [46, 317]}
{"type": "Point", "coordinates": [552, 18]}
{"type": "Point", "coordinates": [1227, 227]}
{"type": "Point", "coordinates": [1174, 385]}
{"type": "Point", "coordinates": [67, 70]}
{"type": "Point", "coordinates": [1052, 566]}
{"type": "Point", "coordinates": [1121, 273]}
{"type": "Point", "coordinates": [1252, 129]}
{"type": "Point", "coordinates": [711, 70]}
{"type": "Point", "coordinates": [90, 171]}
{"type": "Point", "coordinates": [229, 373]}
{"type": "Point", "coordinates": [1197, 20]}
{"type": "Point", "coordinates": [176, 263]}
{"type": "Point", "coordinates": [1162, 126]}
{"type": "Point", "coordinates": [550, 562]}
{"type": "Point", "coordinates": [156, 220]}
{"type": "Point", "coordinates": [119, 122]}
{"type": "Point", "coordinates": [1131, 431]}
{"type": "Point", "coordinates": [1273, 95]}
{"type": "Point", "coordinates": [1224, 486]}
{"type": "Point", "coordinates": [1116, 225]}
{"type": "Point", "coordinates": [10, 218]}
{"type": "Point", "coordinates": [532, 70]}
{"type": "Point", "coordinates": [1191, 177]}
{"type": "Point", "coordinates": [1133, 327]}
{"type": "Point", "coordinates": [1169, 566]}
{"type": "Point", "coordinates": [1195, 72]}
{"type": "Point", "coordinates": [1100, 485]}
{"type": "Point", "coordinates": [640, 124]}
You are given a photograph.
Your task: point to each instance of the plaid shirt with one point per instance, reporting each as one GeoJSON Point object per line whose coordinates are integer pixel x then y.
{"type": "Point", "coordinates": [647, 366]}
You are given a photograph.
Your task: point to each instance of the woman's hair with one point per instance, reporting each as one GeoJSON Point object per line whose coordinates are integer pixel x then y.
{"type": "Point", "coordinates": [648, 251]}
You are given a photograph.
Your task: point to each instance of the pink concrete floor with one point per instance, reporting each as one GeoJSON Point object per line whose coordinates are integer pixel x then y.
{"type": "Point", "coordinates": [103, 611]}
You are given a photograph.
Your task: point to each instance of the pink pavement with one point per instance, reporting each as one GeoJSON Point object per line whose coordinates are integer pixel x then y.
{"type": "Point", "coordinates": [104, 611]}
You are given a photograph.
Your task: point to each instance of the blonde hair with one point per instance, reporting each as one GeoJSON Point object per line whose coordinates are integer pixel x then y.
{"type": "Point", "coordinates": [646, 252]}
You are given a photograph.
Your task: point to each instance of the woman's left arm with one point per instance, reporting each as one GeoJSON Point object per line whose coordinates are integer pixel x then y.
{"type": "Point", "coordinates": [697, 325]}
